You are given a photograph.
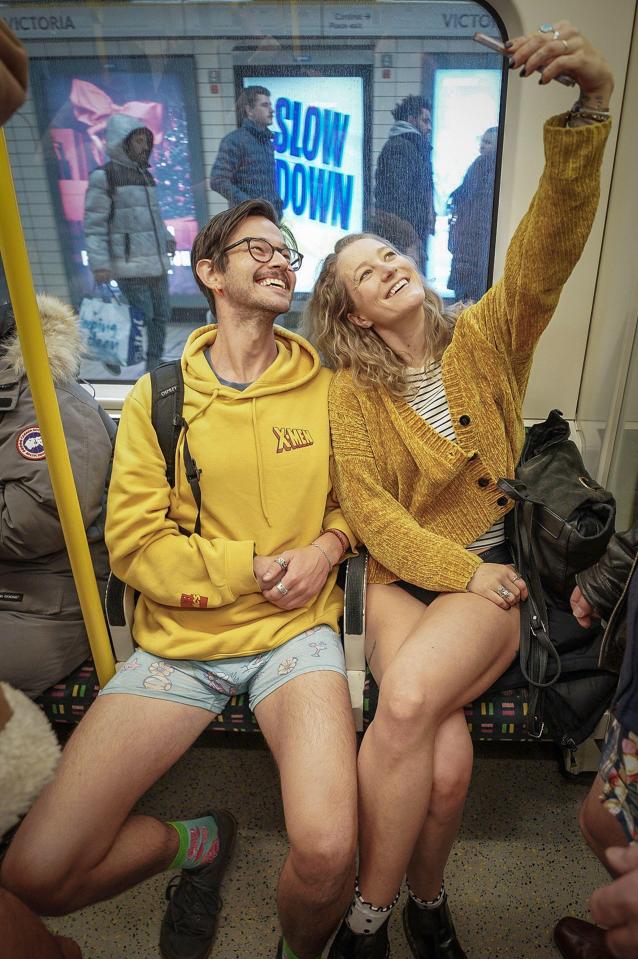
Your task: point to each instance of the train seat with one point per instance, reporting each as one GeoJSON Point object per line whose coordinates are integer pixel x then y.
{"type": "Point", "coordinates": [501, 715]}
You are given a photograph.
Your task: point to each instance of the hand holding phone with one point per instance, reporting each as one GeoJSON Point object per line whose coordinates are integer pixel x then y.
{"type": "Point", "coordinates": [493, 44]}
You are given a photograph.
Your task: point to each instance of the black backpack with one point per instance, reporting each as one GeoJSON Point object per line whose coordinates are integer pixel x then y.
{"type": "Point", "coordinates": [167, 401]}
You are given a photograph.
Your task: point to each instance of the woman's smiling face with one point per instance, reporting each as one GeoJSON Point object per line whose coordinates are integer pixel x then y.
{"type": "Point", "coordinates": [384, 285]}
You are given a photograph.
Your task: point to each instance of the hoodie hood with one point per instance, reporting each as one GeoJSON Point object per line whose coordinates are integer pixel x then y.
{"type": "Point", "coordinates": [399, 127]}
{"type": "Point", "coordinates": [118, 128]}
{"type": "Point", "coordinates": [61, 328]}
{"type": "Point", "coordinates": [296, 364]}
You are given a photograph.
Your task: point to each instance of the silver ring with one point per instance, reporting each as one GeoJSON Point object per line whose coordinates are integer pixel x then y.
{"type": "Point", "coordinates": [282, 562]}
{"type": "Point", "coordinates": [282, 589]}
{"type": "Point", "coordinates": [564, 42]}
{"type": "Point", "coordinates": [546, 28]}
{"type": "Point", "coordinates": [556, 35]}
{"type": "Point", "coordinates": [503, 592]}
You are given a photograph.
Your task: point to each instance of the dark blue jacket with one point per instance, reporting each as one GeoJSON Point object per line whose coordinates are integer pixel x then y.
{"type": "Point", "coordinates": [245, 166]}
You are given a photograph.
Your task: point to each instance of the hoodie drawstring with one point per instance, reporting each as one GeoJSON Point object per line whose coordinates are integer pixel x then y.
{"type": "Point", "coordinates": [260, 465]}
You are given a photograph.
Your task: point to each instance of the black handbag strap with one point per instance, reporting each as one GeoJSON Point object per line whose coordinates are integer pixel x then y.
{"type": "Point", "coordinates": [536, 650]}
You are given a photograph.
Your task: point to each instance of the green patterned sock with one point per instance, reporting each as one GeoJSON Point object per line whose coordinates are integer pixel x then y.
{"type": "Point", "coordinates": [198, 842]}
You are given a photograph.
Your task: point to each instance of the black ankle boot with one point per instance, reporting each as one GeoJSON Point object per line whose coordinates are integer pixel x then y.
{"type": "Point", "coordinates": [348, 945]}
{"type": "Point", "coordinates": [430, 932]}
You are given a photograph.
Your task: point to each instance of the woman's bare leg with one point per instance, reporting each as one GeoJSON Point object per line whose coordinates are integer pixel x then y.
{"type": "Point", "coordinates": [453, 754]}
{"type": "Point", "coordinates": [392, 614]}
{"type": "Point", "coordinates": [458, 646]}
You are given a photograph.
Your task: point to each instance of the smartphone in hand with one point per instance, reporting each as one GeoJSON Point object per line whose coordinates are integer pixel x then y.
{"type": "Point", "coordinates": [498, 47]}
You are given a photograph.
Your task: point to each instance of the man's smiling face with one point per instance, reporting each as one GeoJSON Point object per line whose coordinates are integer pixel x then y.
{"type": "Point", "coordinates": [249, 284]}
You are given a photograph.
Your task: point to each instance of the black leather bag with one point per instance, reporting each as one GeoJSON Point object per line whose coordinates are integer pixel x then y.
{"type": "Point", "coordinates": [561, 523]}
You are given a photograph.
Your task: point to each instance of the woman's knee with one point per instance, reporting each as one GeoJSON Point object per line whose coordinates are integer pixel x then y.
{"type": "Point", "coordinates": [406, 713]}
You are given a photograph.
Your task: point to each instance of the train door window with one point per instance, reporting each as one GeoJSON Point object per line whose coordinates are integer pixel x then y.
{"type": "Point", "coordinates": [380, 117]}
{"type": "Point", "coordinates": [623, 476]}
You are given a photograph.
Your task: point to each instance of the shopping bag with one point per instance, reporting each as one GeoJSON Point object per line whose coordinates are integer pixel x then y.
{"type": "Point", "coordinates": [112, 329]}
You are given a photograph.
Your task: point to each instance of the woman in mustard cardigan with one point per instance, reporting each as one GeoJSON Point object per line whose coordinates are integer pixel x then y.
{"type": "Point", "coordinates": [426, 415]}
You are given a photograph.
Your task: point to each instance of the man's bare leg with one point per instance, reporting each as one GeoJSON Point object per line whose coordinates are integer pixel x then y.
{"type": "Point", "coordinates": [78, 844]}
{"type": "Point", "coordinates": [23, 935]}
{"type": "Point", "coordinates": [309, 728]}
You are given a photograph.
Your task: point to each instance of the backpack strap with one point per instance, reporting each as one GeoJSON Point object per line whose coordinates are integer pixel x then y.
{"type": "Point", "coordinates": [167, 401]}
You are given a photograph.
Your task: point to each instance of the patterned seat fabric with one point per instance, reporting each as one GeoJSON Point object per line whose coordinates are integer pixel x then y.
{"type": "Point", "coordinates": [497, 716]}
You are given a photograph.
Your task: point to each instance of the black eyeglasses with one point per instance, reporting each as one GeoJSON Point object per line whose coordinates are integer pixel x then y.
{"type": "Point", "coordinates": [263, 251]}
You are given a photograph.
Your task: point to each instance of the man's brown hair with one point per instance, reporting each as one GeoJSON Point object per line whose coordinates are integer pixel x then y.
{"type": "Point", "coordinates": [215, 236]}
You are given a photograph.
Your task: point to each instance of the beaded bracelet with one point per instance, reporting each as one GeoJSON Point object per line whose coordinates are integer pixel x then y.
{"type": "Point", "coordinates": [578, 110]}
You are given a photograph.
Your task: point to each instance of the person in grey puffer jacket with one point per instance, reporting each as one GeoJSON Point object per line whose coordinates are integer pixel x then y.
{"type": "Point", "coordinates": [126, 238]}
{"type": "Point", "coordinates": [245, 164]}
{"type": "Point", "coordinates": [42, 634]}
{"type": "Point", "coordinates": [609, 590]}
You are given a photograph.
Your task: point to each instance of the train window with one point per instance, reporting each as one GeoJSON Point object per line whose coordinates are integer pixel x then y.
{"type": "Point", "coordinates": [347, 117]}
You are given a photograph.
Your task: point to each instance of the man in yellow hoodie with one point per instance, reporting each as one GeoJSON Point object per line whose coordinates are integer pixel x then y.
{"type": "Point", "coordinates": [248, 603]}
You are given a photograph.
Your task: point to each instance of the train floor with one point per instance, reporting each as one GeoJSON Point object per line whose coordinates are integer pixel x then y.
{"type": "Point", "coordinates": [519, 863]}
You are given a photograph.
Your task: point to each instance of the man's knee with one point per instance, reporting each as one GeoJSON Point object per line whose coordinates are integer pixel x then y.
{"type": "Point", "coordinates": [46, 887]}
{"type": "Point", "coordinates": [323, 859]}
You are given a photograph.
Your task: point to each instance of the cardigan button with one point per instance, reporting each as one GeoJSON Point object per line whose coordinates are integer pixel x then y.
{"type": "Point", "coordinates": [465, 420]}
{"type": "Point", "coordinates": [502, 501]}
{"type": "Point", "coordinates": [483, 481]}
{"type": "Point", "coordinates": [473, 457]}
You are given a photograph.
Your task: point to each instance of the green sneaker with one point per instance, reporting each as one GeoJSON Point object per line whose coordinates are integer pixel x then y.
{"type": "Point", "coordinates": [190, 921]}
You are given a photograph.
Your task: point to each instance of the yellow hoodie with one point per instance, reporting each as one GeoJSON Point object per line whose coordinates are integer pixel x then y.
{"type": "Point", "coordinates": [264, 456]}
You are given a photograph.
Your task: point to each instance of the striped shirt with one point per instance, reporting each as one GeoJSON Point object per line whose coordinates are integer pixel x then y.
{"type": "Point", "coordinates": [428, 399]}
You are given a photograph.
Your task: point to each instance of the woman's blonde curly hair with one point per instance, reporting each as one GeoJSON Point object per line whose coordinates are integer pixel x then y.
{"type": "Point", "coordinates": [346, 346]}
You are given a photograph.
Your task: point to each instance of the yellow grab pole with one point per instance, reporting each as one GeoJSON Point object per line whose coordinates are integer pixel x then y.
{"type": "Point", "coordinates": [36, 362]}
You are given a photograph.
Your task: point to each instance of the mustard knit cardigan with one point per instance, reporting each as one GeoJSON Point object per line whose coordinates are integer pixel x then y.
{"type": "Point", "coordinates": [414, 498]}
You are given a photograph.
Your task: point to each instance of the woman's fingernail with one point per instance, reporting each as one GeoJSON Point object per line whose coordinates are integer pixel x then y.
{"type": "Point", "coordinates": [512, 63]}
{"type": "Point", "coordinates": [522, 73]}
{"type": "Point", "coordinates": [508, 44]}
